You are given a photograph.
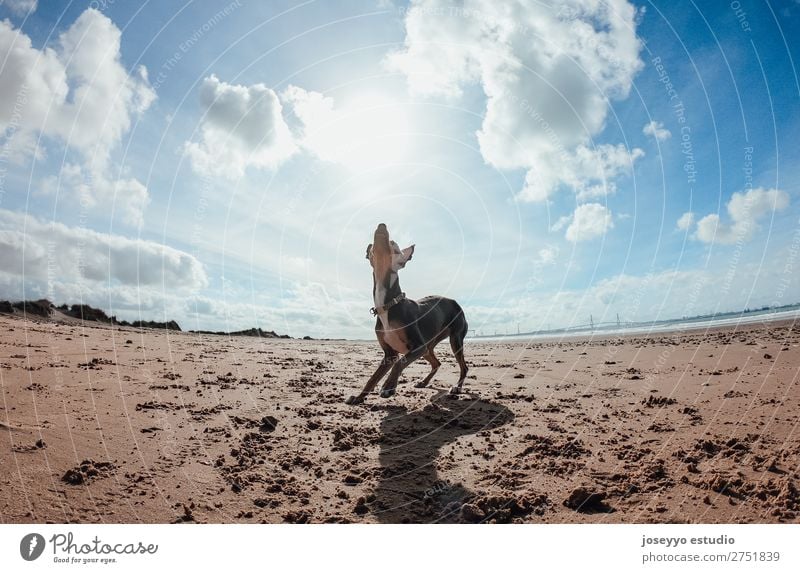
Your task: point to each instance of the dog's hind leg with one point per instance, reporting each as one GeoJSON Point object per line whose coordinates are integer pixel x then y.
{"type": "Point", "coordinates": [434, 362]}
{"type": "Point", "coordinates": [457, 344]}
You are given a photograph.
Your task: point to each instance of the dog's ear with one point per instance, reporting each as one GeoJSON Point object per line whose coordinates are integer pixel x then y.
{"type": "Point", "coordinates": [369, 252]}
{"type": "Point", "coordinates": [400, 258]}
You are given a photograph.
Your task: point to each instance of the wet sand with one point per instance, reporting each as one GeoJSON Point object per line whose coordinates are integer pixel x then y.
{"type": "Point", "coordinates": [125, 425]}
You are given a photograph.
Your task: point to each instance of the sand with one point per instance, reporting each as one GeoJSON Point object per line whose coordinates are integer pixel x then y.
{"type": "Point", "coordinates": [120, 425]}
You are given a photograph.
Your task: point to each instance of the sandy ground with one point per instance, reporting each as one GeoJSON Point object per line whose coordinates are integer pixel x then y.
{"type": "Point", "coordinates": [121, 425]}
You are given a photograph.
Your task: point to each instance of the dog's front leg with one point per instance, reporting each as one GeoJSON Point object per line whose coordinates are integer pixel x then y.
{"type": "Point", "coordinates": [383, 368]}
{"type": "Point", "coordinates": [390, 385]}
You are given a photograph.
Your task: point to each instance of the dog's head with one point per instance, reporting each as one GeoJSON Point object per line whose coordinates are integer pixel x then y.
{"type": "Point", "coordinates": [386, 257]}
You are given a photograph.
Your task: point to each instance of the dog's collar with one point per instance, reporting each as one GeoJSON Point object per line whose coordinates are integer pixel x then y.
{"type": "Point", "coordinates": [375, 311]}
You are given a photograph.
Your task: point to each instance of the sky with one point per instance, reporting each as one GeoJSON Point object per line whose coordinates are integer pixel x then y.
{"type": "Point", "coordinates": [225, 164]}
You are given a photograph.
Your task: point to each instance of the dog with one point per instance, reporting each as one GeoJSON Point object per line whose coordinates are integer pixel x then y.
{"type": "Point", "coordinates": [408, 329]}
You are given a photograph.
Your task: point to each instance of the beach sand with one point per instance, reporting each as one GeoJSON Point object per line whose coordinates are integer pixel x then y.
{"type": "Point", "coordinates": [120, 425]}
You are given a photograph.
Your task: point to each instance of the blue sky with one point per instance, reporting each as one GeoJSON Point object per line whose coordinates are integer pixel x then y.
{"type": "Point", "coordinates": [225, 164]}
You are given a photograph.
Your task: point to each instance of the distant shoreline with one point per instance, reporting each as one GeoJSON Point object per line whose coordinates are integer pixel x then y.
{"type": "Point", "coordinates": [787, 312]}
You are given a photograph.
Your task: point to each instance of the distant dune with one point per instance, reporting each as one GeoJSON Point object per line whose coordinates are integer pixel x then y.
{"type": "Point", "coordinates": [43, 308]}
{"type": "Point", "coordinates": [249, 332]}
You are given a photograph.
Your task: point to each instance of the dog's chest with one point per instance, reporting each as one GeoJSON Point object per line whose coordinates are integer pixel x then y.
{"type": "Point", "coordinates": [394, 336]}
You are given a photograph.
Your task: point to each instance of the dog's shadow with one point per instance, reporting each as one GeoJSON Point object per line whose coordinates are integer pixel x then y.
{"type": "Point", "coordinates": [410, 488]}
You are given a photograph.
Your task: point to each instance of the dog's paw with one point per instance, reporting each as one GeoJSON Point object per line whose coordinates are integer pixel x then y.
{"type": "Point", "coordinates": [421, 385]}
{"type": "Point", "coordinates": [387, 393]}
{"type": "Point", "coordinates": [352, 400]}
{"type": "Point", "coordinates": [455, 390]}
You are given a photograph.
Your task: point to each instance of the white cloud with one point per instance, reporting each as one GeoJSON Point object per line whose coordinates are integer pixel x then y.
{"type": "Point", "coordinates": [547, 72]}
{"type": "Point", "coordinates": [589, 172]}
{"type": "Point", "coordinates": [589, 221]}
{"type": "Point", "coordinates": [79, 93]}
{"type": "Point", "coordinates": [656, 129]}
{"type": "Point", "coordinates": [686, 221]}
{"type": "Point", "coordinates": [592, 172]}
{"type": "Point", "coordinates": [547, 255]}
{"type": "Point", "coordinates": [314, 115]}
{"type": "Point", "coordinates": [252, 126]}
{"type": "Point", "coordinates": [93, 187]}
{"type": "Point", "coordinates": [242, 126]}
{"type": "Point", "coordinates": [744, 210]}
{"type": "Point", "coordinates": [103, 96]}
{"type": "Point", "coordinates": [43, 252]}
{"type": "Point", "coordinates": [21, 7]}
{"type": "Point", "coordinates": [561, 223]}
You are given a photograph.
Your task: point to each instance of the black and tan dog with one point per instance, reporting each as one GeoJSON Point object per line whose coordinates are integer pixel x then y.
{"type": "Point", "coordinates": [408, 329]}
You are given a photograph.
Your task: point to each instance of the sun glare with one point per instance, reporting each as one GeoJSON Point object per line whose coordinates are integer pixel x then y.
{"type": "Point", "coordinates": [375, 133]}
